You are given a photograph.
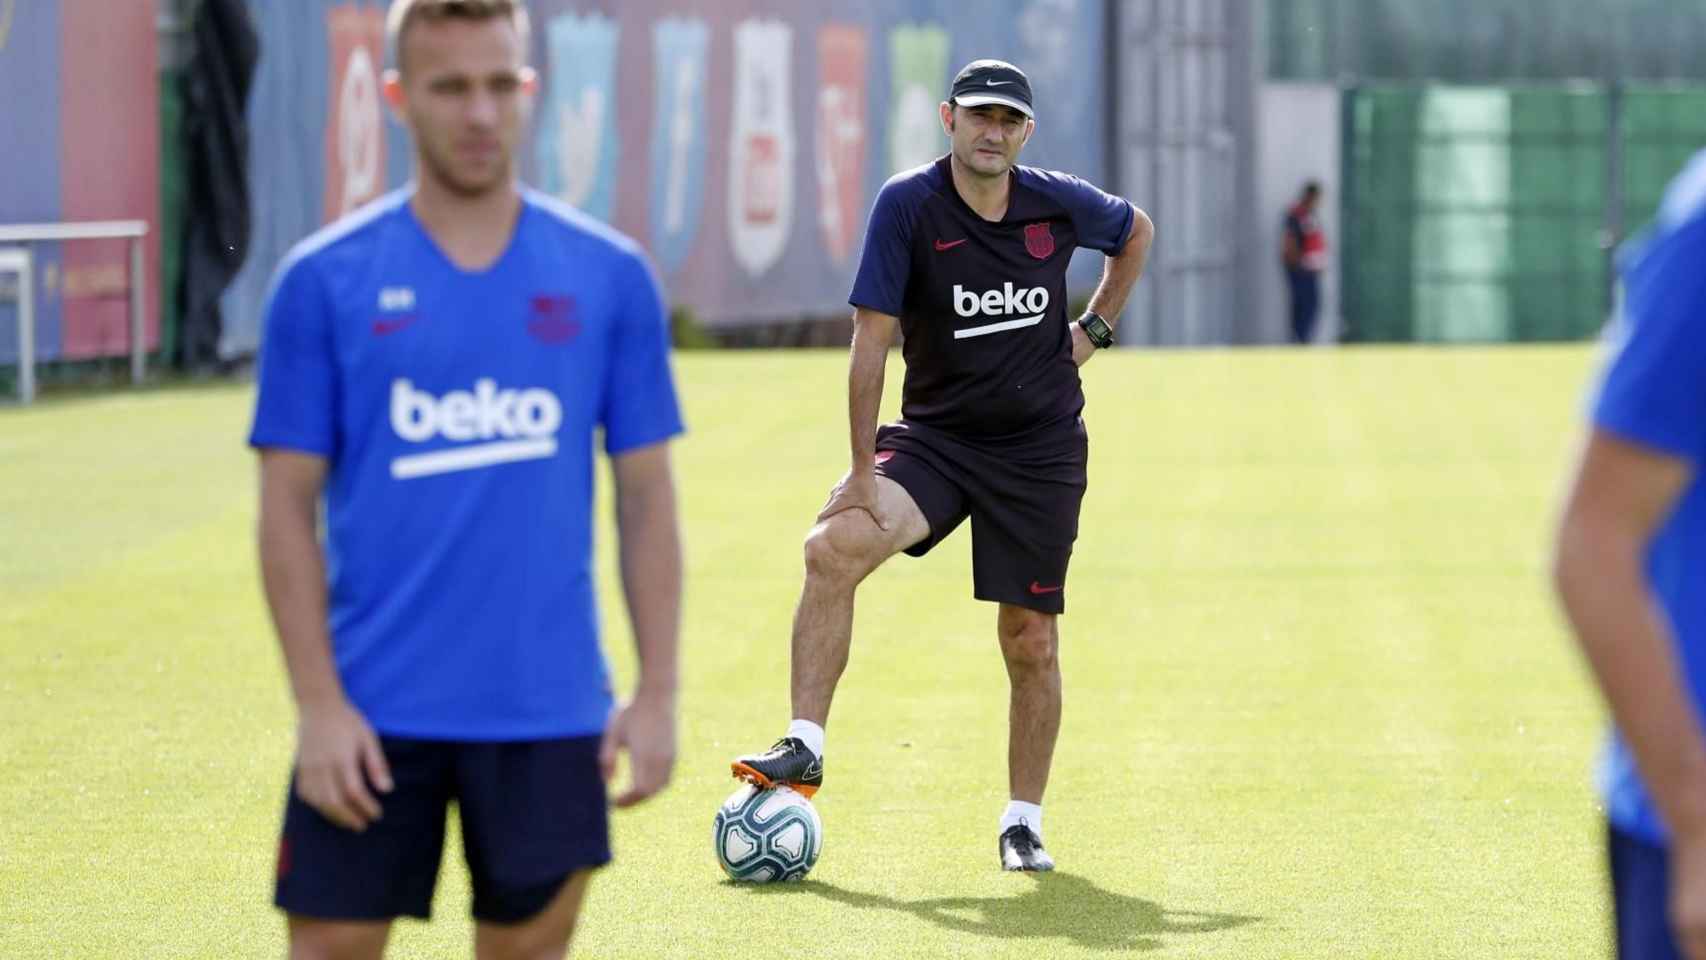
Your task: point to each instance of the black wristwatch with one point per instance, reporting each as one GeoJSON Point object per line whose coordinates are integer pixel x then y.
{"type": "Point", "coordinates": [1101, 335]}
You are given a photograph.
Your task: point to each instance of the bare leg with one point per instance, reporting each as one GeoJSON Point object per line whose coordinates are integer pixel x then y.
{"type": "Point", "coordinates": [544, 936]}
{"type": "Point", "coordinates": [840, 552]}
{"type": "Point", "coordinates": [1030, 642]}
{"type": "Point", "coordinates": [312, 939]}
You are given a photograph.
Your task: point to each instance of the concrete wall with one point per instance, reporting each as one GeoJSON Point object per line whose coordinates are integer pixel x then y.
{"type": "Point", "coordinates": [1184, 116]}
{"type": "Point", "coordinates": [1299, 134]}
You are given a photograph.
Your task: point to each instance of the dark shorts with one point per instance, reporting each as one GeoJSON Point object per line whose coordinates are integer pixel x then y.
{"type": "Point", "coordinates": [1022, 500]}
{"type": "Point", "coordinates": [1640, 889]}
{"type": "Point", "coordinates": [532, 813]}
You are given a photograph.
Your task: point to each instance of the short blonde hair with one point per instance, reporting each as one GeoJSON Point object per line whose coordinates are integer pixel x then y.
{"type": "Point", "coordinates": [404, 14]}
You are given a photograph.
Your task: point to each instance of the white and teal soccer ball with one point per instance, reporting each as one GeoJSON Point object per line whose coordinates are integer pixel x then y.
{"type": "Point", "coordinates": [762, 836]}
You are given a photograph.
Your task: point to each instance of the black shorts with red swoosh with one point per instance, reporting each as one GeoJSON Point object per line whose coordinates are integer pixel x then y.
{"type": "Point", "coordinates": [1022, 497]}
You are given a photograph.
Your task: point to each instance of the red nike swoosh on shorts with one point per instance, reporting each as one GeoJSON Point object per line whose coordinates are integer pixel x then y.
{"type": "Point", "coordinates": [940, 246]}
{"type": "Point", "coordinates": [1038, 589]}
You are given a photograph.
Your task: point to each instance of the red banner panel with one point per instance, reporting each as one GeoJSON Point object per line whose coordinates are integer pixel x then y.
{"type": "Point", "coordinates": [109, 168]}
{"type": "Point", "coordinates": [841, 126]}
{"type": "Point", "coordinates": [355, 112]}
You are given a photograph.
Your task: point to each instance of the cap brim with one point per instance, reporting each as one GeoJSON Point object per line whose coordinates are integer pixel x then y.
{"type": "Point", "coordinates": [987, 99]}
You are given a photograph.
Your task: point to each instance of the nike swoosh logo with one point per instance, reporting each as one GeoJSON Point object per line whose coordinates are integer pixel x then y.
{"type": "Point", "coordinates": [1038, 589]}
{"type": "Point", "coordinates": [997, 83]}
{"type": "Point", "coordinates": [384, 328]}
{"type": "Point", "coordinates": [940, 245]}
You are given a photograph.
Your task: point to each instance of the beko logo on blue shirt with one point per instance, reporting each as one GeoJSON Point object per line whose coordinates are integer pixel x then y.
{"type": "Point", "coordinates": [510, 425]}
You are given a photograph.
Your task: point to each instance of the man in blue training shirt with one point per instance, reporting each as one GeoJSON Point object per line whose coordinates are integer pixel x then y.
{"type": "Point", "coordinates": [967, 258]}
{"type": "Point", "coordinates": [1630, 568]}
{"type": "Point", "coordinates": [435, 371]}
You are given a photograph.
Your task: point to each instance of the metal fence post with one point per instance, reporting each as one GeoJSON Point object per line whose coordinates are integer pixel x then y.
{"type": "Point", "coordinates": [1612, 233]}
{"type": "Point", "coordinates": [138, 312]}
{"type": "Point", "coordinates": [19, 260]}
{"type": "Point", "coordinates": [1350, 281]}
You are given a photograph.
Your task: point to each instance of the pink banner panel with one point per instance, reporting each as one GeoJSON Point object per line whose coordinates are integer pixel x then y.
{"type": "Point", "coordinates": [109, 168]}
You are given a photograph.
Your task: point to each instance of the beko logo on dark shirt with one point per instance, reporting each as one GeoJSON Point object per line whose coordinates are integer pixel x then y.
{"type": "Point", "coordinates": [1030, 304]}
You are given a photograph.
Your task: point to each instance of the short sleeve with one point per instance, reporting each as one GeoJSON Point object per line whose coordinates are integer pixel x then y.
{"type": "Point", "coordinates": [1103, 221]}
{"type": "Point", "coordinates": [880, 284]}
{"type": "Point", "coordinates": [1653, 391]}
{"type": "Point", "coordinates": [296, 400]}
{"type": "Point", "coordinates": [640, 406]}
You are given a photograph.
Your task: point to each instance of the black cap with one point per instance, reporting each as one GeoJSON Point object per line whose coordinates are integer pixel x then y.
{"type": "Point", "coordinates": [983, 82]}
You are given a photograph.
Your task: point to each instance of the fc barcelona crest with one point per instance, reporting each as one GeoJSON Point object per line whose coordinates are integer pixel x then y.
{"type": "Point", "coordinates": [1039, 242]}
{"type": "Point", "coordinates": [552, 319]}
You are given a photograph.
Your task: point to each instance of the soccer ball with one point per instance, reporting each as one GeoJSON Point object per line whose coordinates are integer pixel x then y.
{"type": "Point", "coordinates": [766, 835]}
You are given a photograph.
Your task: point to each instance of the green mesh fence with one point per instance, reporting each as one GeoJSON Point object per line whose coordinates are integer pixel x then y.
{"type": "Point", "coordinates": [1662, 128]}
{"type": "Point", "coordinates": [1556, 258]}
{"type": "Point", "coordinates": [1477, 214]}
{"type": "Point", "coordinates": [1378, 200]}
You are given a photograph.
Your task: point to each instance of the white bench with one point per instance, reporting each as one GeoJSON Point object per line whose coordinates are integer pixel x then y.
{"type": "Point", "coordinates": [16, 257]}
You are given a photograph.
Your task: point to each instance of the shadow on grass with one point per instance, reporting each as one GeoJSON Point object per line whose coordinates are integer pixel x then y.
{"type": "Point", "coordinates": [1049, 906]}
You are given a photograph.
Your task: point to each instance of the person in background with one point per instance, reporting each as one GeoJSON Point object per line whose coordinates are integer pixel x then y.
{"type": "Point", "coordinates": [1304, 249]}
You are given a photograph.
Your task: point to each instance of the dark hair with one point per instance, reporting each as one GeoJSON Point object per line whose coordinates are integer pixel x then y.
{"type": "Point", "coordinates": [406, 13]}
{"type": "Point", "coordinates": [1312, 188]}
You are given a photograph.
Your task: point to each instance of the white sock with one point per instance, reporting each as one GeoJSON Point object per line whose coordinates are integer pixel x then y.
{"type": "Point", "coordinates": [810, 733]}
{"type": "Point", "coordinates": [1030, 813]}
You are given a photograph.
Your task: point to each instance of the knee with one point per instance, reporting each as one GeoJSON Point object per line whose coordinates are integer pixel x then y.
{"type": "Point", "coordinates": [320, 940]}
{"type": "Point", "coordinates": [1028, 642]}
{"type": "Point", "coordinates": [835, 554]}
{"type": "Point", "coordinates": [544, 937]}
{"type": "Point", "coordinates": [537, 948]}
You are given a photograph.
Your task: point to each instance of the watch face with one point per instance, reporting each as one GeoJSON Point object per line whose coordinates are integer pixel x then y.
{"type": "Point", "coordinates": [1100, 333]}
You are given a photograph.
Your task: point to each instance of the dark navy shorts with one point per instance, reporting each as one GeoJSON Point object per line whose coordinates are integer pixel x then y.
{"type": "Point", "coordinates": [1022, 500]}
{"type": "Point", "coordinates": [533, 813]}
{"type": "Point", "coordinates": [1640, 888]}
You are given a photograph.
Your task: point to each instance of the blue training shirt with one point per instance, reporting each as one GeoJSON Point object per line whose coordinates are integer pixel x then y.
{"type": "Point", "coordinates": [458, 414]}
{"type": "Point", "coordinates": [982, 304]}
{"type": "Point", "coordinates": [1654, 394]}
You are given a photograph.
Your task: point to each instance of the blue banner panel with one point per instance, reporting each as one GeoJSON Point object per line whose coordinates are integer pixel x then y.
{"type": "Point", "coordinates": [680, 59]}
{"type": "Point", "coordinates": [29, 142]}
{"type": "Point", "coordinates": [576, 145]}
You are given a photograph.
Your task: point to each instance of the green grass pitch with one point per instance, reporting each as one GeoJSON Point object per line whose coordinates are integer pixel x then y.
{"type": "Point", "coordinates": [1318, 701]}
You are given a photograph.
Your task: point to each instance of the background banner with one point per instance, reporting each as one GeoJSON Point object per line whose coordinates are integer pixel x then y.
{"type": "Point", "coordinates": [742, 142]}
{"type": "Point", "coordinates": [80, 133]}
